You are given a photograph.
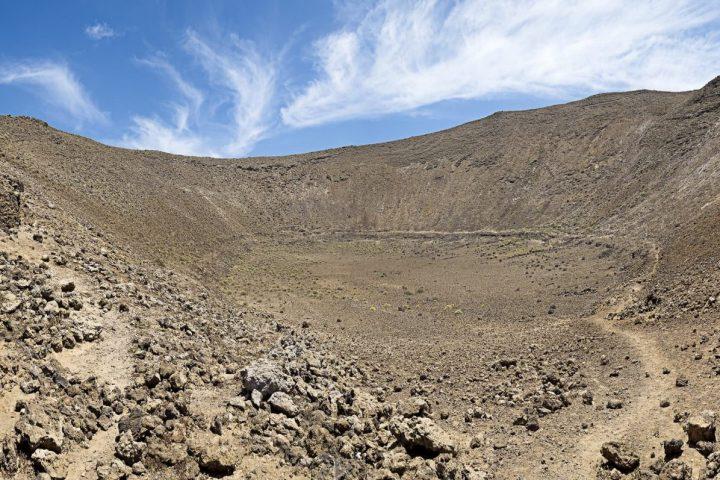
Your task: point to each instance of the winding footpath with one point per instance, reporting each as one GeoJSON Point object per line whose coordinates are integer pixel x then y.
{"type": "Point", "coordinates": [641, 422]}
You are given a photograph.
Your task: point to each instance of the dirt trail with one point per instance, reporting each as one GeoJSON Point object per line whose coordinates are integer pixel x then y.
{"type": "Point", "coordinates": [641, 422]}
{"type": "Point", "coordinates": [8, 415]}
{"type": "Point", "coordinates": [82, 461]}
{"type": "Point", "coordinates": [449, 233]}
{"type": "Point", "coordinates": [642, 415]}
{"type": "Point", "coordinates": [108, 359]}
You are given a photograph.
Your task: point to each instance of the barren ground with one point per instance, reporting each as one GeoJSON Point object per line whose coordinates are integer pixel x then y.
{"type": "Point", "coordinates": [529, 296]}
{"type": "Point", "coordinates": [434, 312]}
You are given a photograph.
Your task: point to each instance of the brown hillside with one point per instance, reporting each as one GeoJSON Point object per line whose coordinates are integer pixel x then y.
{"type": "Point", "coordinates": [530, 295]}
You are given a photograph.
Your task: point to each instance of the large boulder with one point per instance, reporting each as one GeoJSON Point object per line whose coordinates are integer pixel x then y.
{"type": "Point", "coordinates": [36, 431]}
{"type": "Point", "coordinates": [116, 470]}
{"type": "Point", "coordinates": [620, 457]}
{"type": "Point", "coordinates": [49, 463]}
{"type": "Point", "coordinates": [283, 403]}
{"type": "Point", "coordinates": [705, 448]}
{"type": "Point", "coordinates": [168, 453]}
{"type": "Point", "coordinates": [9, 302]}
{"type": "Point", "coordinates": [414, 407]}
{"type": "Point", "coordinates": [217, 460]}
{"type": "Point", "coordinates": [673, 448]}
{"type": "Point", "coordinates": [127, 449]}
{"type": "Point", "coordinates": [267, 378]}
{"type": "Point", "coordinates": [215, 457]}
{"type": "Point", "coordinates": [701, 428]}
{"type": "Point", "coordinates": [422, 437]}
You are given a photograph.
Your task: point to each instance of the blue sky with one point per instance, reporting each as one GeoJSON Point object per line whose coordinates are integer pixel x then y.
{"type": "Point", "coordinates": [236, 78]}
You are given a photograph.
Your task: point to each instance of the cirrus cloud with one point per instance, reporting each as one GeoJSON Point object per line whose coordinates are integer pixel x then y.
{"type": "Point", "coordinates": [233, 110]}
{"type": "Point", "coordinates": [56, 84]}
{"type": "Point", "coordinates": [402, 55]}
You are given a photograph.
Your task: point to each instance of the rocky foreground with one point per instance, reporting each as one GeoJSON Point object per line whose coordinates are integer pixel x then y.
{"type": "Point", "coordinates": [113, 370]}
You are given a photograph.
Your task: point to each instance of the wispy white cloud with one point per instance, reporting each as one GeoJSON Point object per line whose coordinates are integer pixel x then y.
{"type": "Point", "coordinates": [152, 133]}
{"type": "Point", "coordinates": [99, 31]}
{"type": "Point", "coordinates": [247, 79]}
{"type": "Point", "coordinates": [402, 55]}
{"type": "Point", "coordinates": [174, 135]}
{"type": "Point", "coordinates": [56, 84]}
{"type": "Point", "coordinates": [227, 117]}
{"type": "Point", "coordinates": [191, 94]}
